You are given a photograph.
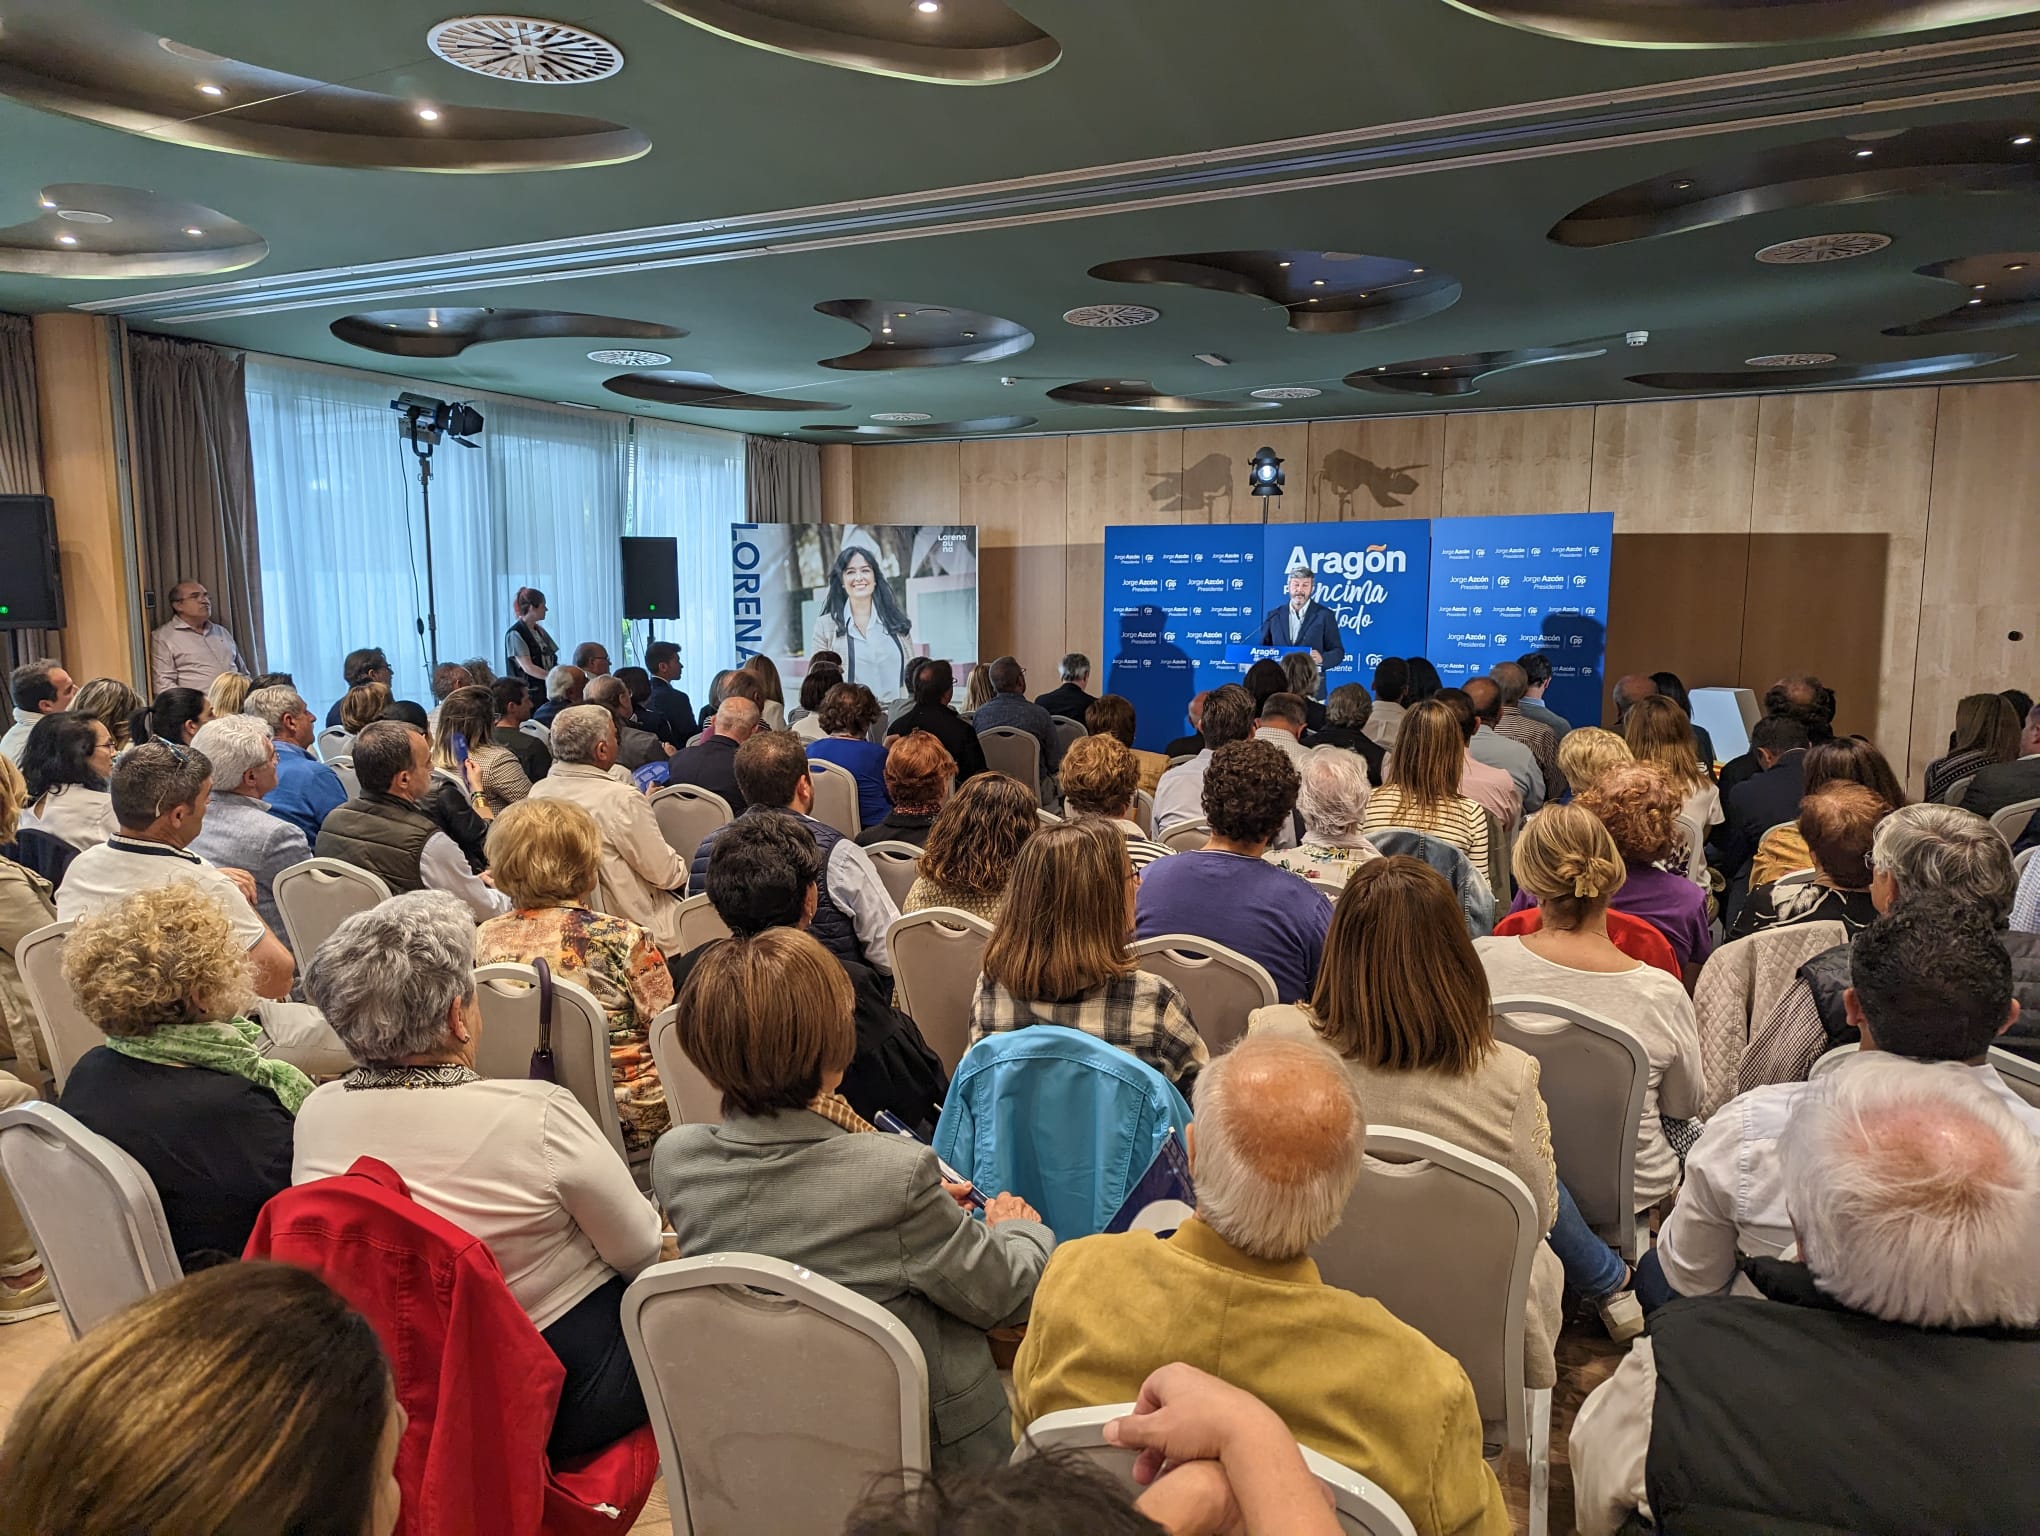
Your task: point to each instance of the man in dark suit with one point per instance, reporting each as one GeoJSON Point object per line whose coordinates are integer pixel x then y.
{"type": "Point", "coordinates": [1765, 799]}
{"type": "Point", "coordinates": [712, 764]}
{"type": "Point", "coordinates": [668, 703]}
{"type": "Point", "coordinates": [2003, 784]}
{"type": "Point", "coordinates": [1799, 696]}
{"type": "Point", "coordinates": [1070, 700]}
{"type": "Point", "coordinates": [1300, 621]}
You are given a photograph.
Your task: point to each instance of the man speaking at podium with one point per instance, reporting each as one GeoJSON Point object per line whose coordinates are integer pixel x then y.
{"type": "Point", "coordinates": [1303, 622]}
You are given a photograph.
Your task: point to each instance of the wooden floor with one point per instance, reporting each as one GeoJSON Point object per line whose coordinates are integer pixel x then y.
{"type": "Point", "coordinates": [1585, 1359]}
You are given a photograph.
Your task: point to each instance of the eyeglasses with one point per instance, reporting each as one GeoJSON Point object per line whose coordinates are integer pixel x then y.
{"type": "Point", "coordinates": [181, 756]}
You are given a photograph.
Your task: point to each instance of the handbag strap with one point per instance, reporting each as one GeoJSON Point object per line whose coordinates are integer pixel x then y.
{"type": "Point", "coordinates": [545, 1002]}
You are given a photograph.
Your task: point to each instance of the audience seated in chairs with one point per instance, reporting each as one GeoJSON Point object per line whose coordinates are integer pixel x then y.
{"type": "Point", "coordinates": [517, 1164]}
{"type": "Point", "coordinates": [306, 789]}
{"type": "Point", "coordinates": [977, 689]}
{"type": "Point", "coordinates": [160, 794]}
{"type": "Point", "coordinates": [1332, 798]}
{"type": "Point", "coordinates": [1264, 679]}
{"type": "Point", "coordinates": [971, 848]}
{"type": "Point", "coordinates": [1915, 1196]}
{"type": "Point", "coordinates": [173, 716]}
{"type": "Point", "coordinates": [635, 747]}
{"type": "Point", "coordinates": [795, 1173]}
{"type": "Point", "coordinates": [1930, 982]}
{"type": "Point", "coordinates": [363, 706]}
{"type": "Point", "coordinates": [1225, 891]}
{"type": "Point", "coordinates": [711, 763]}
{"type": "Point", "coordinates": [1763, 798]}
{"type": "Point", "coordinates": [1567, 860]}
{"type": "Point", "coordinates": [1843, 760]}
{"type": "Point", "coordinates": [918, 773]}
{"type": "Point", "coordinates": [1798, 697]}
{"type": "Point", "coordinates": [1425, 775]}
{"type": "Point", "coordinates": [1512, 682]}
{"type": "Point", "coordinates": [240, 830]}
{"type": "Point", "coordinates": [1277, 1148]}
{"type": "Point", "coordinates": [181, 1084]}
{"type": "Point", "coordinates": [1928, 853]}
{"type": "Point", "coordinates": [2003, 784]}
{"type": "Point", "coordinates": [805, 719]}
{"type": "Point", "coordinates": [641, 878]}
{"type": "Point", "coordinates": [854, 908]}
{"type": "Point", "coordinates": [1111, 715]}
{"type": "Point", "coordinates": [249, 1398]}
{"type": "Point", "coordinates": [388, 830]}
{"type": "Point", "coordinates": [932, 683]}
{"type": "Point", "coordinates": [668, 702]}
{"type": "Point", "coordinates": [1658, 732]}
{"type": "Point", "coordinates": [112, 703]}
{"type": "Point", "coordinates": [1281, 724]}
{"type": "Point", "coordinates": [563, 689]}
{"type": "Point", "coordinates": [1010, 706]}
{"type": "Point", "coordinates": [1838, 823]}
{"type": "Point", "coordinates": [1490, 788]}
{"type": "Point", "coordinates": [39, 689]}
{"type": "Point", "coordinates": [360, 669]}
{"type": "Point", "coordinates": [771, 696]}
{"type": "Point", "coordinates": [764, 873]}
{"type": "Point", "coordinates": [1986, 733]}
{"type": "Point", "coordinates": [1185, 746]}
{"type": "Point", "coordinates": [67, 763]}
{"type": "Point", "coordinates": [228, 693]}
{"type": "Point", "coordinates": [1228, 717]}
{"type": "Point", "coordinates": [1391, 701]}
{"type": "Point", "coordinates": [1068, 699]}
{"type": "Point", "coordinates": [492, 772]}
{"type": "Point", "coordinates": [1402, 998]}
{"type": "Point", "coordinates": [27, 902]}
{"type": "Point", "coordinates": [544, 856]}
{"type": "Point", "coordinates": [1347, 712]}
{"type": "Point", "coordinates": [1586, 752]}
{"type": "Point", "coordinates": [1058, 953]}
{"type": "Point", "coordinates": [849, 711]}
{"type": "Point", "coordinates": [1492, 749]}
{"type": "Point", "coordinates": [513, 708]}
{"type": "Point", "coordinates": [1101, 777]}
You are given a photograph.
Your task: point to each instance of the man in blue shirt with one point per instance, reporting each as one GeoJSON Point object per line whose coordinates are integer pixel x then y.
{"type": "Point", "coordinates": [306, 789]}
{"type": "Point", "coordinates": [1009, 705]}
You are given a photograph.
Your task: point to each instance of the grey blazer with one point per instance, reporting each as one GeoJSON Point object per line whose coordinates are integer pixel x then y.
{"type": "Point", "coordinates": [867, 1211]}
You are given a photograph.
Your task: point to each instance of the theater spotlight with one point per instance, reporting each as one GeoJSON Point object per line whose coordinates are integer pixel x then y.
{"type": "Point", "coordinates": [1264, 474]}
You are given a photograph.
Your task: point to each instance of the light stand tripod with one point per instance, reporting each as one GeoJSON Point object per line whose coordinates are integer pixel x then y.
{"type": "Point", "coordinates": [426, 421]}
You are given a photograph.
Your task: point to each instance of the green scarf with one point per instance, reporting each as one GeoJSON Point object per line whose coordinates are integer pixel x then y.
{"type": "Point", "coordinates": [229, 1047]}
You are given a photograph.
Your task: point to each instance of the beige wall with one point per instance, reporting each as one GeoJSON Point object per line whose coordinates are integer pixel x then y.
{"type": "Point", "coordinates": [1887, 539]}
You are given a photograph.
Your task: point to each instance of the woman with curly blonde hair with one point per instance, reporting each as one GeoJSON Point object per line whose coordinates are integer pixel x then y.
{"type": "Point", "coordinates": [181, 1084]}
{"type": "Point", "coordinates": [1587, 752]}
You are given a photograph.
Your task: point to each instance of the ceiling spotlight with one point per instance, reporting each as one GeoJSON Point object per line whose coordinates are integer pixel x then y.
{"type": "Point", "coordinates": [1282, 264]}
{"type": "Point", "coordinates": [1264, 474]}
{"type": "Point", "coordinates": [428, 114]}
{"type": "Point", "coordinates": [970, 335]}
{"type": "Point", "coordinates": [1865, 154]}
{"type": "Point", "coordinates": [195, 233]}
{"type": "Point", "coordinates": [47, 202]}
{"type": "Point", "coordinates": [1978, 287]}
{"type": "Point", "coordinates": [1976, 301]}
{"type": "Point", "coordinates": [2015, 266]}
{"type": "Point", "coordinates": [67, 239]}
{"type": "Point", "coordinates": [211, 90]}
{"type": "Point", "coordinates": [432, 323]}
{"type": "Point", "coordinates": [1416, 271]}
{"type": "Point", "coordinates": [928, 7]}
{"type": "Point", "coordinates": [1317, 282]}
{"type": "Point", "coordinates": [2023, 140]}
{"type": "Point", "coordinates": [1682, 185]}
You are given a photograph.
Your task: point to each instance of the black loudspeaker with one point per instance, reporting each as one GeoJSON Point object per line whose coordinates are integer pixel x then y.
{"type": "Point", "coordinates": [651, 578]}
{"type": "Point", "coordinates": [31, 585]}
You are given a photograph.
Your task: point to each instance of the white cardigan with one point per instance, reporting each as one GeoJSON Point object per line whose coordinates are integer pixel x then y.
{"type": "Point", "coordinates": [517, 1164]}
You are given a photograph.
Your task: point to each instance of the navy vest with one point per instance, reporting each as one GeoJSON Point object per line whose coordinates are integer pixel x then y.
{"type": "Point", "coordinates": [832, 926]}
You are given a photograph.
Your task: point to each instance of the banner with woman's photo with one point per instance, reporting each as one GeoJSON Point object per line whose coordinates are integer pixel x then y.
{"type": "Point", "coordinates": [878, 596]}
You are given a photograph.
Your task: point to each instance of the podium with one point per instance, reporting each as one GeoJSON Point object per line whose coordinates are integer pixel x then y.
{"type": "Point", "coordinates": [1244, 656]}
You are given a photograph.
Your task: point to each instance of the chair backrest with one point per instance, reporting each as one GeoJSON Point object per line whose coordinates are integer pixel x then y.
{"type": "Point", "coordinates": [1953, 794]}
{"type": "Point", "coordinates": [67, 1033]}
{"type": "Point", "coordinates": [1499, 841]}
{"type": "Point", "coordinates": [1011, 750]}
{"type": "Point", "coordinates": [1444, 1239]}
{"type": "Point", "coordinates": [1593, 1073]}
{"type": "Point", "coordinates": [1144, 812]}
{"type": "Point", "coordinates": [343, 770]}
{"type": "Point", "coordinates": [508, 995]}
{"type": "Point", "coordinates": [1331, 888]}
{"type": "Point", "coordinates": [92, 1212]}
{"type": "Point", "coordinates": [835, 797]}
{"type": "Point", "coordinates": [690, 1097]}
{"type": "Point", "coordinates": [686, 815]}
{"type": "Point", "coordinates": [1179, 759]}
{"type": "Point", "coordinates": [2021, 1075]}
{"type": "Point", "coordinates": [1048, 818]}
{"type": "Point", "coordinates": [2021, 859]}
{"type": "Point", "coordinates": [778, 1397]}
{"type": "Point", "coordinates": [938, 954]}
{"type": "Point", "coordinates": [317, 896]}
{"type": "Point", "coordinates": [898, 864]}
{"type": "Point", "coordinates": [1068, 731]}
{"type": "Point", "coordinates": [539, 729]}
{"type": "Point", "coordinates": [1186, 836]}
{"type": "Point", "coordinates": [700, 923]}
{"type": "Point", "coordinates": [2011, 822]}
{"type": "Point", "coordinates": [1363, 1507]}
{"type": "Point", "coordinates": [1477, 899]}
{"type": "Point", "coordinates": [1220, 985]}
{"type": "Point", "coordinates": [332, 742]}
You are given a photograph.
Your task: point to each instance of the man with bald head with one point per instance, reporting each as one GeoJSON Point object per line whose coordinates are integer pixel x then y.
{"type": "Point", "coordinates": [711, 763]}
{"type": "Point", "coordinates": [1276, 1150]}
{"type": "Point", "coordinates": [1630, 687]}
{"type": "Point", "coordinates": [1872, 1388]}
{"type": "Point", "coordinates": [1490, 746]}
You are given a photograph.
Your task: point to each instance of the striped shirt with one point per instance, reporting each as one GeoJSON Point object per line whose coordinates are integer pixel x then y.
{"type": "Point", "coordinates": [1458, 821]}
{"type": "Point", "coordinates": [1140, 848]}
{"type": "Point", "coordinates": [1142, 1015]}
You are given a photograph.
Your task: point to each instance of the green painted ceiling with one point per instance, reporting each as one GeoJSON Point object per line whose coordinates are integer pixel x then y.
{"type": "Point", "coordinates": [1443, 138]}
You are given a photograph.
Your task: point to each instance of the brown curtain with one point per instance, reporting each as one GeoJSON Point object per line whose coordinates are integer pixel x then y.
{"type": "Point", "coordinates": [195, 482]}
{"type": "Point", "coordinates": [782, 480]}
{"type": "Point", "coordinates": [20, 456]}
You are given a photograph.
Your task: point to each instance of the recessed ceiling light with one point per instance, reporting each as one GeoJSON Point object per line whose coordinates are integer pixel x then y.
{"type": "Point", "coordinates": [432, 324]}
{"type": "Point", "coordinates": [2015, 266]}
{"type": "Point", "coordinates": [1282, 264]}
{"type": "Point", "coordinates": [46, 202]}
{"type": "Point", "coordinates": [1416, 271]}
{"type": "Point", "coordinates": [1978, 287]}
{"type": "Point", "coordinates": [211, 90]}
{"type": "Point", "coordinates": [1682, 185]}
{"type": "Point", "coordinates": [1976, 301]}
{"type": "Point", "coordinates": [1313, 299]}
{"type": "Point", "coordinates": [2023, 140]}
{"type": "Point", "coordinates": [970, 335]}
{"type": "Point", "coordinates": [1317, 282]}
{"type": "Point", "coordinates": [195, 233]}
{"type": "Point", "coordinates": [1865, 154]}
{"type": "Point", "coordinates": [428, 114]}
{"type": "Point", "coordinates": [928, 7]}
{"type": "Point", "coordinates": [67, 239]}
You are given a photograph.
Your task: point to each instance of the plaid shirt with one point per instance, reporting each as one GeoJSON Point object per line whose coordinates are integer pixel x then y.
{"type": "Point", "coordinates": [1543, 744]}
{"type": "Point", "coordinates": [1141, 1014]}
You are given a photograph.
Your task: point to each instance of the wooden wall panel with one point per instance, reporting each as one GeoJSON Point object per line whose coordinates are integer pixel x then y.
{"type": "Point", "coordinates": [1500, 463]}
{"type": "Point", "coordinates": [1677, 466]}
{"type": "Point", "coordinates": [1014, 490]}
{"type": "Point", "coordinates": [1675, 604]}
{"type": "Point", "coordinates": [1982, 573]}
{"type": "Point", "coordinates": [1858, 464]}
{"type": "Point", "coordinates": [1215, 462]}
{"type": "Point", "coordinates": [839, 483]}
{"type": "Point", "coordinates": [1389, 467]}
{"type": "Point", "coordinates": [1114, 478]}
{"type": "Point", "coordinates": [907, 483]}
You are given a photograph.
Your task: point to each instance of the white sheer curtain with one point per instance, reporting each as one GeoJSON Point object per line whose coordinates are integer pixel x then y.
{"type": "Point", "coordinates": [541, 503]}
{"type": "Point", "coordinates": [689, 485]}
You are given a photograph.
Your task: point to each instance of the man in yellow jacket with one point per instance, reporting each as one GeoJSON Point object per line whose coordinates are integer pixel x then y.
{"type": "Point", "coordinates": [1276, 1152]}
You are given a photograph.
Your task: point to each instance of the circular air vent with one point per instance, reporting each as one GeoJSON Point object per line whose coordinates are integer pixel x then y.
{"type": "Point", "coordinates": [901, 416]}
{"type": "Point", "coordinates": [1791, 253]}
{"type": "Point", "coordinates": [525, 49]}
{"type": "Point", "coordinates": [1111, 317]}
{"type": "Point", "coordinates": [629, 357]}
{"type": "Point", "coordinates": [1790, 360]}
{"type": "Point", "coordinates": [1287, 392]}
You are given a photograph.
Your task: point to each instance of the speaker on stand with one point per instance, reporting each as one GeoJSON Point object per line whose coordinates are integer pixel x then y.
{"type": "Point", "coordinates": [31, 582]}
{"type": "Point", "coordinates": [651, 580]}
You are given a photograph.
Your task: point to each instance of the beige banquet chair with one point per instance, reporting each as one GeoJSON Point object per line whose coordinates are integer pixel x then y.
{"type": "Point", "coordinates": [1068, 732]}
{"type": "Point", "coordinates": [91, 1210]}
{"type": "Point", "coordinates": [1013, 751]}
{"type": "Point", "coordinates": [686, 815]}
{"type": "Point", "coordinates": [332, 742]}
{"type": "Point", "coordinates": [1220, 986]}
{"type": "Point", "coordinates": [691, 1099]}
{"type": "Point", "coordinates": [779, 1399]}
{"type": "Point", "coordinates": [1186, 836]}
{"type": "Point", "coordinates": [509, 999]}
{"type": "Point", "coordinates": [700, 923]}
{"type": "Point", "coordinates": [2011, 822]}
{"type": "Point", "coordinates": [835, 797]}
{"type": "Point", "coordinates": [343, 770]}
{"type": "Point", "coordinates": [1144, 812]}
{"type": "Point", "coordinates": [897, 864]}
{"type": "Point", "coordinates": [66, 1033]}
{"type": "Point", "coordinates": [938, 954]}
{"type": "Point", "coordinates": [317, 896]}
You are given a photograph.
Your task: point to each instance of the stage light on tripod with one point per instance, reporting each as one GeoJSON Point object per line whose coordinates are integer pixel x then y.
{"type": "Point", "coordinates": [1264, 474]}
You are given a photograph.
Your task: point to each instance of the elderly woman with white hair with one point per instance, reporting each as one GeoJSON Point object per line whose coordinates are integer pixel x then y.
{"type": "Point", "coordinates": [240, 831]}
{"type": "Point", "coordinates": [1926, 852]}
{"type": "Point", "coordinates": [1333, 801]}
{"type": "Point", "coordinates": [516, 1163]}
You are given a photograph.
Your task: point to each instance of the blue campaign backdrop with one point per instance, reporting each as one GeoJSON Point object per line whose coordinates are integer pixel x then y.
{"type": "Point", "coordinates": [1504, 586]}
{"type": "Point", "coordinates": [1175, 598]}
{"type": "Point", "coordinates": [1374, 576]}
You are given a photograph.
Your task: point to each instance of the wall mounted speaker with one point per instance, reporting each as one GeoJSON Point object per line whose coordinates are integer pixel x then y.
{"type": "Point", "coordinates": [31, 585]}
{"type": "Point", "coordinates": [651, 578]}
